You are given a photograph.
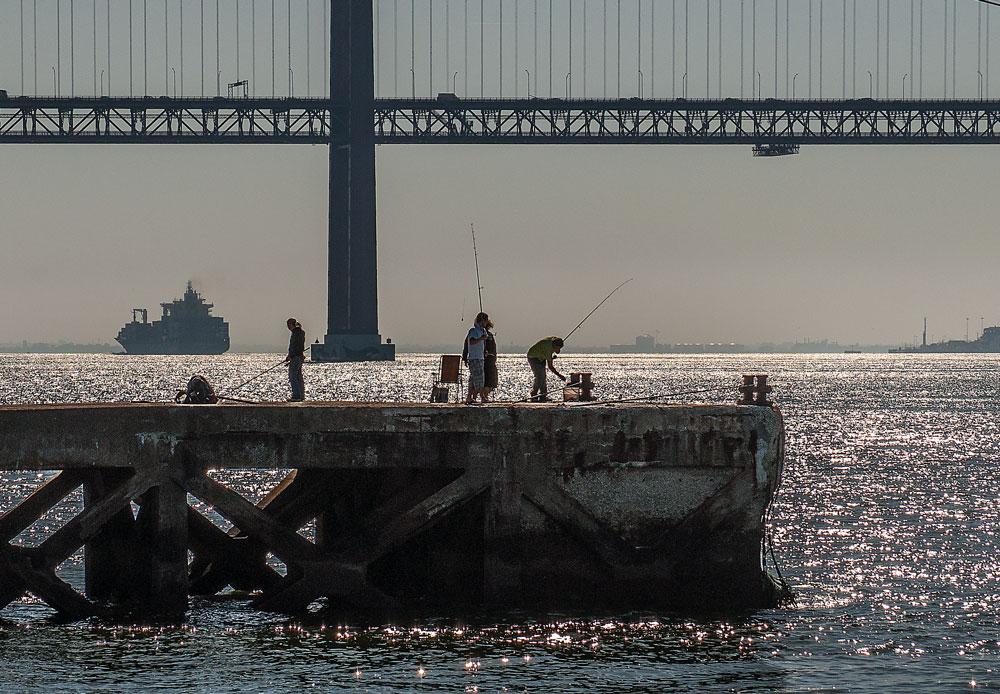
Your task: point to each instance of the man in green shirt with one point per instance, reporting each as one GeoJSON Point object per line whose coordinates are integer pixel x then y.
{"type": "Point", "coordinates": [542, 353]}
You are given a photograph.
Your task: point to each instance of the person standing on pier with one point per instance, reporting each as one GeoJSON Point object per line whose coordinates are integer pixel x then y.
{"type": "Point", "coordinates": [492, 377]}
{"type": "Point", "coordinates": [542, 354]}
{"type": "Point", "coordinates": [296, 356]}
{"type": "Point", "coordinates": [475, 343]}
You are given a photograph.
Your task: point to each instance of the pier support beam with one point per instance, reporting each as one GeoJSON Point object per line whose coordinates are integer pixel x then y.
{"type": "Point", "coordinates": [352, 302]}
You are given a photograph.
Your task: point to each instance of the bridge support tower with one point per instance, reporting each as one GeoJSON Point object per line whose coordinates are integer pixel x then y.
{"type": "Point", "coordinates": [352, 289]}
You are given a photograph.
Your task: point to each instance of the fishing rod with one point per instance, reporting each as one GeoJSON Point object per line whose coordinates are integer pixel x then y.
{"type": "Point", "coordinates": [475, 252]}
{"type": "Point", "coordinates": [565, 339]}
{"type": "Point", "coordinates": [254, 378]}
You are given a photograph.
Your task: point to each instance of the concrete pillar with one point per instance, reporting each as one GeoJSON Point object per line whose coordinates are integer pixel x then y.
{"type": "Point", "coordinates": [108, 556]}
{"type": "Point", "coordinates": [163, 524]}
{"type": "Point", "coordinates": [352, 308]}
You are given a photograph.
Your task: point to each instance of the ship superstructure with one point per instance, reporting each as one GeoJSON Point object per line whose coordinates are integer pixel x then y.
{"type": "Point", "coordinates": [187, 326]}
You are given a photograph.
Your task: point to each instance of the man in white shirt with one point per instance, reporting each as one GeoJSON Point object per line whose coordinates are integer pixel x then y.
{"type": "Point", "coordinates": [476, 343]}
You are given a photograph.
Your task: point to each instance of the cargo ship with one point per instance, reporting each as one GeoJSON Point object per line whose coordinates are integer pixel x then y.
{"type": "Point", "coordinates": [987, 343]}
{"type": "Point", "coordinates": [187, 326]}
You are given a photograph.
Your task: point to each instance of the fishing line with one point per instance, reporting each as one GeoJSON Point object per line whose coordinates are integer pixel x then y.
{"type": "Point", "coordinates": [254, 378]}
{"type": "Point", "coordinates": [652, 397]}
{"type": "Point", "coordinates": [597, 307]}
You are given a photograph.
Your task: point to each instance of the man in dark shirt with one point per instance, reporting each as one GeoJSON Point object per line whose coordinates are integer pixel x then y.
{"type": "Point", "coordinates": [296, 355]}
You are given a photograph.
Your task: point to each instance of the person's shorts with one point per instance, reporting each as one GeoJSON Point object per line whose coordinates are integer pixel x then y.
{"type": "Point", "coordinates": [477, 374]}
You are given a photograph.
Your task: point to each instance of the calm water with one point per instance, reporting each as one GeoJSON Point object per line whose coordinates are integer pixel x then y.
{"type": "Point", "coordinates": [886, 524]}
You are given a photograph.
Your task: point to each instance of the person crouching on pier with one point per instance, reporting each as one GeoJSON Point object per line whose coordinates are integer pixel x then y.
{"type": "Point", "coordinates": [542, 354]}
{"type": "Point", "coordinates": [475, 341]}
{"type": "Point", "coordinates": [296, 356]}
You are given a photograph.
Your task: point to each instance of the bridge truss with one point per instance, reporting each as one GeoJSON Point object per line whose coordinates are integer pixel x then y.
{"type": "Point", "coordinates": [503, 121]}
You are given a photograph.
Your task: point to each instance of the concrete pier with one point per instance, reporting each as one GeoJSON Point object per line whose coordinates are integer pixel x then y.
{"type": "Point", "coordinates": [416, 506]}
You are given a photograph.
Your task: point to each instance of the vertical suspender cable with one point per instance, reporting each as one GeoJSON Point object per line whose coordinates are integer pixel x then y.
{"type": "Point", "coordinates": [166, 48]}
{"type": "Point", "coordinates": [584, 90]}
{"type": "Point", "coordinates": [843, 63]}
{"type": "Point", "coordinates": [253, 46]}
{"type": "Point", "coordinates": [34, 40]}
{"type": "Point", "coordinates": [673, 49]}
{"type": "Point", "coordinates": [72, 50]}
{"type": "Point", "coordinates": [820, 90]}
{"type": "Point", "coordinates": [618, 27]}
{"type": "Point", "coordinates": [550, 45]}
{"type": "Point", "coordinates": [743, 79]}
{"type": "Point", "coordinates": [788, 26]}
{"type": "Point", "coordinates": [569, 43]}
{"type": "Point", "coordinates": [500, 49]}
{"type": "Point", "coordinates": [754, 93]}
{"type": "Point", "coordinates": [130, 89]}
{"type": "Point", "coordinates": [218, 57]}
{"type": "Point", "coordinates": [605, 37]}
{"type": "Point", "coordinates": [236, 4]}
{"type": "Point", "coordinates": [326, 49]}
{"type": "Point", "coordinates": [274, 89]}
{"type": "Point", "coordinates": [954, 47]}
{"type": "Point", "coordinates": [987, 56]}
{"type": "Point", "coordinates": [687, 17]}
{"type": "Point", "coordinates": [537, 76]}
{"type": "Point", "coordinates": [180, 7]}
{"type": "Point", "coordinates": [920, 53]}
{"type": "Point", "coordinates": [979, 47]}
{"type": "Point", "coordinates": [878, 49]}
{"type": "Point", "coordinates": [378, 46]}
{"type": "Point", "coordinates": [201, 32]}
{"type": "Point", "coordinates": [291, 74]}
{"type": "Point", "coordinates": [946, 49]}
{"type": "Point", "coordinates": [465, 20]}
{"type": "Point", "coordinates": [888, 46]}
{"type": "Point", "coordinates": [22, 47]}
{"type": "Point", "coordinates": [58, 83]}
{"type": "Point", "coordinates": [447, 47]}
{"type": "Point", "coordinates": [430, 47]}
{"type": "Point", "coordinates": [810, 91]}
{"type": "Point", "coordinates": [93, 6]}
{"type": "Point", "coordinates": [413, 49]}
{"type": "Point", "coordinates": [638, 59]}
{"type": "Point", "coordinates": [776, 49]}
{"type": "Point", "coordinates": [482, 48]}
{"type": "Point", "coordinates": [395, 47]}
{"type": "Point", "coordinates": [720, 49]}
{"type": "Point", "coordinates": [652, 49]}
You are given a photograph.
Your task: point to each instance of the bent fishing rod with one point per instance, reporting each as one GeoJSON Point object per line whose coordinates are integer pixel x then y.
{"type": "Point", "coordinates": [565, 339]}
{"type": "Point", "coordinates": [254, 378]}
{"type": "Point", "coordinates": [479, 283]}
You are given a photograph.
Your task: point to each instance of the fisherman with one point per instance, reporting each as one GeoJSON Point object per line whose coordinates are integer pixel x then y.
{"type": "Point", "coordinates": [492, 377]}
{"type": "Point", "coordinates": [543, 353]}
{"type": "Point", "coordinates": [296, 356]}
{"type": "Point", "coordinates": [475, 342]}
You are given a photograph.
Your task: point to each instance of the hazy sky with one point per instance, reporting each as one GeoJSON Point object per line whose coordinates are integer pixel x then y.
{"type": "Point", "coordinates": [846, 243]}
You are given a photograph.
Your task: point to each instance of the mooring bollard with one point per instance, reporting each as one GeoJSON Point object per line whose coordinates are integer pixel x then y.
{"type": "Point", "coordinates": [755, 393]}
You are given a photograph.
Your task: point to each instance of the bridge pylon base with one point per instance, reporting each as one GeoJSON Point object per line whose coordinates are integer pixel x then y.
{"type": "Point", "coordinates": [340, 348]}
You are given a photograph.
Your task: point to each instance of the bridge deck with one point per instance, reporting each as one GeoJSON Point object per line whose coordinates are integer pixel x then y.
{"type": "Point", "coordinates": [503, 121]}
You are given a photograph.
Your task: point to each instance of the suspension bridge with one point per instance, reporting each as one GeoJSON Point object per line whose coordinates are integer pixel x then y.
{"type": "Point", "coordinates": [355, 73]}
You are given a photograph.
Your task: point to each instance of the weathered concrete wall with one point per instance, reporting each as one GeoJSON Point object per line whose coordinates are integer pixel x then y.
{"type": "Point", "coordinates": [430, 505]}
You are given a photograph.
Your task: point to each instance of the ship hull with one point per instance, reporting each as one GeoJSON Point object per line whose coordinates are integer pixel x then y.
{"type": "Point", "coordinates": [174, 349]}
